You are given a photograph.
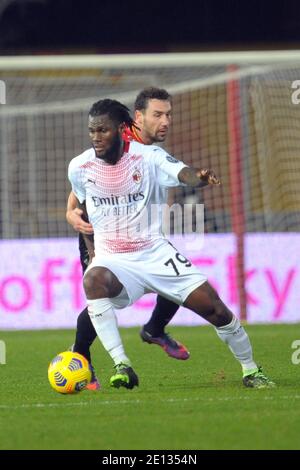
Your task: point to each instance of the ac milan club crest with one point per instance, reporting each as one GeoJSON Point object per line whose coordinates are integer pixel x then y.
{"type": "Point", "coordinates": [137, 176]}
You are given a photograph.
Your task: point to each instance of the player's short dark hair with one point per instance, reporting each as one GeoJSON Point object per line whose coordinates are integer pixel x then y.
{"type": "Point", "coordinates": [116, 111]}
{"type": "Point", "coordinates": [150, 93]}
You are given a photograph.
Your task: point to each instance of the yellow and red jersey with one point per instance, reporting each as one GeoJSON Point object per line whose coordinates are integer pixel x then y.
{"type": "Point", "coordinates": [130, 135]}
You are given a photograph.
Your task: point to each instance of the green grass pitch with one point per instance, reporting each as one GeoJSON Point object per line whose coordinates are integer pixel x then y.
{"type": "Point", "coordinates": [195, 404]}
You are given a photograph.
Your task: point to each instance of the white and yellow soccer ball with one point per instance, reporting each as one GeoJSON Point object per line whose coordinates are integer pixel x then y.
{"type": "Point", "coordinates": [69, 372]}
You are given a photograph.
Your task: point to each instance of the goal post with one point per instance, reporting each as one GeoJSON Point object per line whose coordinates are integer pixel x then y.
{"type": "Point", "coordinates": [233, 112]}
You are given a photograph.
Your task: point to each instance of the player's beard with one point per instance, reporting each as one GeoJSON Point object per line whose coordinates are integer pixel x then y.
{"type": "Point", "coordinates": [159, 138]}
{"type": "Point", "coordinates": [114, 153]}
{"type": "Point", "coordinates": [155, 136]}
{"type": "Point", "coordinates": [161, 135]}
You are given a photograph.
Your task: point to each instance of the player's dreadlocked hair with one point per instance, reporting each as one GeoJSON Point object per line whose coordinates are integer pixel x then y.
{"type": "Point", "coordinates": [150, 93]}
{"type": "Point", "coordinates": [116, 111]}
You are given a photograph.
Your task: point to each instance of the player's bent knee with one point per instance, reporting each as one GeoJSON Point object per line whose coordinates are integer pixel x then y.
{"type": "Point", "coordinates": [222, 316]}
{"type": "Point", "coordinates": [217, 313]}
{"type": "Point", "coordinates": [96, 283]}
{"type": "Point", "coordinates": [100, 283]}
{"type": "Point", "coordinates": [206, 302]}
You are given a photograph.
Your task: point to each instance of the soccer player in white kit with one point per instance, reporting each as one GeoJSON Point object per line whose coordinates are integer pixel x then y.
{"type": "Point", "coordinates": [152, 110]}
{"type": "Point", "coordinates": [120, 183]}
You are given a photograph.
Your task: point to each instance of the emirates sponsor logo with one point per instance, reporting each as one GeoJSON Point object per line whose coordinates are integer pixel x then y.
{"type": "Point", "coordinates": [114, 200]}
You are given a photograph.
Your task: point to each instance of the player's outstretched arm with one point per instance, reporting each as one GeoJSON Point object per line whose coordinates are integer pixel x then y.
{"type": "Point", "coordinates": [74, 216]}
{"type": "Point", "coordinates": [197, 178]}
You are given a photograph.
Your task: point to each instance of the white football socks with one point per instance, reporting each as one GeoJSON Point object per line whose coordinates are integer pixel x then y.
{"type": "Point", "coordinates": [105, 323]}
{"type": "Point", "coordinates": [238, 341]}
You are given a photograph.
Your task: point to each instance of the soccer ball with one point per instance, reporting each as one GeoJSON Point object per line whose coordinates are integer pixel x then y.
{"type": "Point", "coordinates": [69, 372]}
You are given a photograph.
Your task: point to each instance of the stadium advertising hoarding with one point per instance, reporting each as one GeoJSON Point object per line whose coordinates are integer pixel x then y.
{"type": "Point", "coordinates": [41, 281]}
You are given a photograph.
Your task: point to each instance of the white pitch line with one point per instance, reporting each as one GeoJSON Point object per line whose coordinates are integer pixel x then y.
{"type": "Point", "coordinates": [58, 405]}
{"type": "Point", "coordinates": [134, 402]}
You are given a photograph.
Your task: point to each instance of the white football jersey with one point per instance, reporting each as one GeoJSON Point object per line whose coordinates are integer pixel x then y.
{"type": "Point", "coordinates": [123, 201]}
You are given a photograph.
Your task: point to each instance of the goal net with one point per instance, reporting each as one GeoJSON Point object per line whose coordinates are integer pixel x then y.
{"type": "Point", "coordinates": [235, 113]}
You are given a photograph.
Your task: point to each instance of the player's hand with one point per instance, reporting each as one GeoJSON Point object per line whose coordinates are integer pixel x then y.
{"type": "Point", "coordinates": [208, 176]}
{"type": "Point", "coordinates": [74, 218]}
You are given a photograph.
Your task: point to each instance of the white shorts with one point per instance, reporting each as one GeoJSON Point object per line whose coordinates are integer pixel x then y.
{"type": "Point", "coordinates": [160, 268]}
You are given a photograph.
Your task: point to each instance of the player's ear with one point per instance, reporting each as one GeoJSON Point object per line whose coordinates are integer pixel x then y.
{"type": "Point", "coordinates": [138, 117]}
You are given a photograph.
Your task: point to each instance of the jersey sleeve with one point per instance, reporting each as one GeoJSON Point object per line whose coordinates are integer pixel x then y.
{"type": "Point", "coordinates": [167, 168]}
{"type": "Point", "coordinates": [75, 178]}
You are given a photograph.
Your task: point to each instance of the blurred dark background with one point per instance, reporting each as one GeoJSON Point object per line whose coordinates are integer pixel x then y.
{"type": "Point", "coordinates": [107, 26]}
